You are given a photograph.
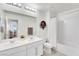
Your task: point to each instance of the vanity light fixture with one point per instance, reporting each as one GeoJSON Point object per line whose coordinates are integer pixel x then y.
{"type": "Point", "coordinates": [25, 7]}
{"type": "Point", "coordinates": [30, 9]}
{"type": "Point", "coordinates": [19, 4]}
{"type": "Point", "coordinates": [15, 4]}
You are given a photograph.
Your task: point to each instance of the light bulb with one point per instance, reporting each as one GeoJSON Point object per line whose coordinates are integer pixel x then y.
{"type": "Point", "coordinates": [14, 3]}
{"type": "Point", "coordinates": [19, 4]}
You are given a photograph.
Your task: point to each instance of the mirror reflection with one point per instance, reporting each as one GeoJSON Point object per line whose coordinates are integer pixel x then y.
{"type": "Point", "coordinates": [1, 28]}
{"type": "Point", "coordinates": [13, 28]}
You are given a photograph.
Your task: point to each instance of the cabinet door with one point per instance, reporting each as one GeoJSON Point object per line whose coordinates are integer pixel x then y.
{"type": "Point", "coordinates": [35, 49]}
{"type": "Point", "coordinates": [21, 53]}
{"type": "Point", "coordinates": [32, 51]}
{"type": "Point", "coordinates": [40, 49]}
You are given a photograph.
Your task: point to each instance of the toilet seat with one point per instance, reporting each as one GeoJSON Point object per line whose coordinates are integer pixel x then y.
{"type": "Point", "coordinates": [48, 45]}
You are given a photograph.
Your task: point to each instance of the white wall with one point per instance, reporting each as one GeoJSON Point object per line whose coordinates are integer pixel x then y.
{"type": "Point", "coordinates": [23, 22]}
{"type": "Point", "coordinates": [68, 33]}
{"type": "Point", "coordinates": [40, 32]}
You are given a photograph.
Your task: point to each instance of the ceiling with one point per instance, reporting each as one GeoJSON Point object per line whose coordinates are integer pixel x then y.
{"type": "Point", "coordinates": [54, 7]}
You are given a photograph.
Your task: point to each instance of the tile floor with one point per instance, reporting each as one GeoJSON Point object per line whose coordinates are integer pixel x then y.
{"type": "Point", "coordinates": [58, 54]}
{"type": "Point", "coordinates": [55, 53]}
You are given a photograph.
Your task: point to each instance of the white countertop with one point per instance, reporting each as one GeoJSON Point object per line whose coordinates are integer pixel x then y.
{"type": "Point", "coordinates": [16, 42]}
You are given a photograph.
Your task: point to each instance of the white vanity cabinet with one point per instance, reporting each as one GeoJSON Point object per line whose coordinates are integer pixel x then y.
{"type": "Point", "coordinates": [35, 49]}
{"type": "Point", "coordinates": [30, 49]}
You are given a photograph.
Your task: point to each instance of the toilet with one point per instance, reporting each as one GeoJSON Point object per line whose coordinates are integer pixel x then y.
{"type": "Point", "coordinates": [47, 49]}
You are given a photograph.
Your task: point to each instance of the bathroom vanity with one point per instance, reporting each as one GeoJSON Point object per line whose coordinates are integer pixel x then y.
{"type": "Point", "coordinates": [31, 46]}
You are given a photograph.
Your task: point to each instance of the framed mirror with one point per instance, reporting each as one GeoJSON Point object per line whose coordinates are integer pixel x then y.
{"type": "Point", "coordinates": [43, 24]}
{"type": "Point", "coordinates": [2, 26]}
{"type": "Point", "coordinates": [30, 30]}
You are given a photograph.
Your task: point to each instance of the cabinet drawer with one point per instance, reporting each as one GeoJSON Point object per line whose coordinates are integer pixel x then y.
{"type": "Point", "coordinates": [13, 50]}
